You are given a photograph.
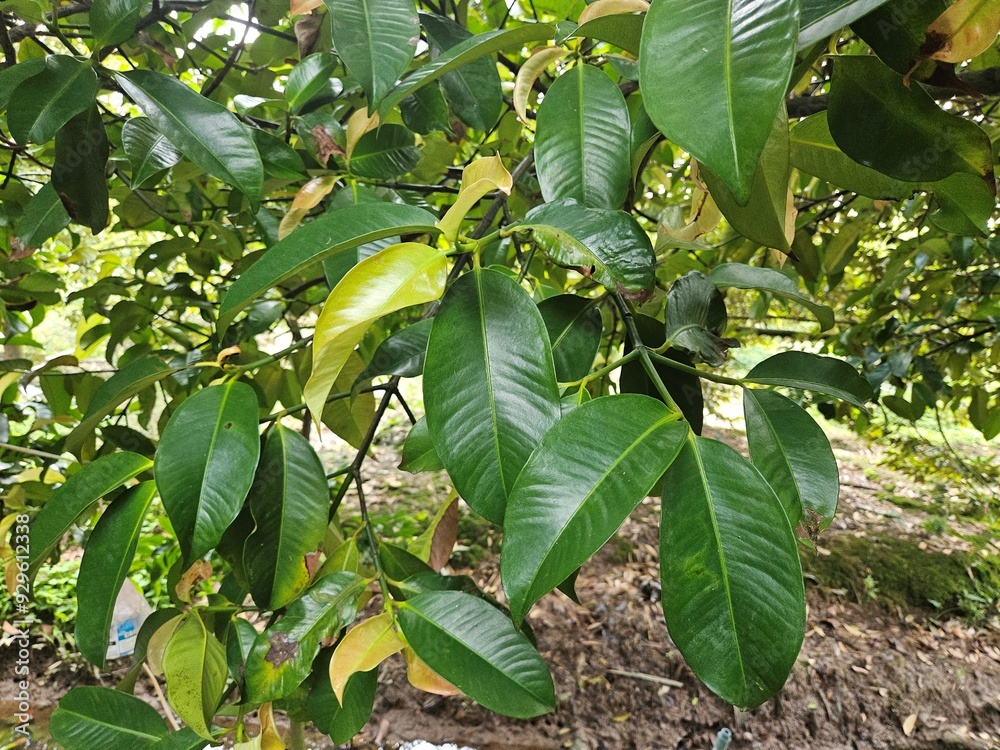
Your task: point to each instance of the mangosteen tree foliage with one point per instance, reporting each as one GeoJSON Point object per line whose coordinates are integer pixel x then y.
{"type": "Point", "coordinates": [263, 218]}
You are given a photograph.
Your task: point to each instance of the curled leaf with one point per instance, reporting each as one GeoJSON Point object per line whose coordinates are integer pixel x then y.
{"type": "Point", "coordinates": [479, 178]}
{"type": "Point", "coordinates": [610, 8]}
{"type": "Point", "coordinates": [533, 67]}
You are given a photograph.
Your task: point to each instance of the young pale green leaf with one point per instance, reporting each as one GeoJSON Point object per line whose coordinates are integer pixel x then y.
{"type": "Point", "coordinates": [768, 216]}
{"type": "Point", "coordinates": [290, 502]}
{"type": "Point", "coordinates": [113, 21]}
{"type": "Point", "coordinates": [418, 450]}
{"type": "Point", "coordinates": [464, 53]}
{"type": "Point", "coordinates": [733, 595]}
{"type": "Point", "coordinates": [713, 74]}
{"type": "Point", "coordinates": [282, 656]}
{"type": "Point", "coordinates": [318, 240]}
{"type": "Point", "coordinates": [582, 140]}
{"type": "Point", "coordinates": [205, 462]}
{"type": "Point", "coordinates": [812, 372]}
{"type": "Point", "coordinates": [342, 719]}
{"type": "Point", "coordinates": [150, 625]}
{"type": "Point", "coordinates": [362, 649]}
{"type": "Point", "coordinates": [78, 173]}
{"type": "Point", "coordinates": [349, 418]}
{"type": "Point", "coordinates": [814, 152]}
{"type": "Point", "coordinates": [696, 319]}
{"type": "Point", "coordinates": [609, 245]}
{"type": "Point", "coordinates": [309, 78]}
{"type": "Point", "coordinates": [822, 18]}
{"type": "Point", "coordinates": [204, 131]}
{"type": "Point", "coordinates": [472, 645]}
{"type": "Point", "coordinates": [792, 453]}
{"type": "Point", "coordinates": [385, 153]}
{"type": "Point", "coordinates": [46, 101]}
{"type": "Point", "coordinates": [917, 140]}
{"type": "Point", "coordinates": [575, 329]}
{"type": "Point", "coordinates": [79, 493]}
{"type": "Point", "coordinates": [147, 149]}
{"type": "Point", "coordinates": [106, 561]}
{"type": "Point", "coordinates": [194, 665]}
{"type": "Point", "coordinates": [683, 387]}
{"type": "Point", "coordinates": [376, 39]}
{"type": "Point", "coordinates": [742, 276]}
{"type": "Point", "coordinates": [129, 381]}
{"type": "Point", "coordinates": [473, 90]}
{"type": "Point", "coordinates": [490, 389]}
{"type": "Point", "coordinates": [478, 179]}
{"type": "Point", "coordinates": [44, 217]}
{"type": "Point", "coordinates": [401, 354]}
{"type": "Point", "coordinates": [533, 67]}
{"type": "Point", "coordinates": [399, 276]}
{"type": "Point", "coordinates": [91, 717]}
{"type": "Point", "coordinates": [574, 492]}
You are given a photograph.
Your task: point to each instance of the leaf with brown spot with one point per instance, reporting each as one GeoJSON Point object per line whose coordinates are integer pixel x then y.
{"type": "Point", "coordinates": [198, 572]}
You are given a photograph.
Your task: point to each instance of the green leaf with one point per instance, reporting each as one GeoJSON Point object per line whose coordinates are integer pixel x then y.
{"type": "Point", "coordinates": [683, 387]}
{"type": "Point", "coordinates": [965, 205]}
{"type": "Point", "coordinates": [91, 717]}
{"type": "Point", "coordinates": [792, 453]}
{"type": "Point", "coordinates": [280, 160]}
{"type": "Point", "coordinates": [342, 722]}
{"type": "Point", "coordinates": [822, 18]}
{"type": "Point", "coordinates": [376, 39]}
{"type": "Point", "coordinates": [113, 21]}
{"type": "Point", "coordinates": [401, 354]}
{"type": "Point", "coordinates": [320, 239]}
{"type": "Point", "coordinates": [418, 450]}
{"type": "Point", "coordinates": [309, 78]}
{"type": "Point", "coordinates": [282, 656]}
{"type": "Point", "coordinates": [610, 244]}
{"type": "Point", "coordinates": [397, 277]}
{"type": "Point", "coordinates": [194, 666]}
{"type": "Point", "coordinates": [107, 557]}
{"type": "Point", "coordinates": [623, 30]}
{"type": "Point", "coordinates": [574, 493]}
{"type": "Point", "coordinates": [464, 53]}
{"type": "Point", "coordinates": [205, 462]}
{"type": "Point", "coordinates": [150, 625]}
{"type": "Point", "coordinates": [11, 78]}
{"type": "Point", "coordinates": [147, 149]}
{"type": "Point", "coordinates": [713, 75]}
{"type": "Point", "coordinates": [43, 217]}
{"type": "Point", "coordinates": [811, 372]}
{"type": "Point", "coordinates": [349, 418]}
{"type": "Point", "coordinates": [77, 495]}
{"type": "Point", "coordinates": [732, 586]}
{"type": "Point", "coordinates": [205, 132]}
{"type": "Point", "coordinates": [290, 502]}
{"type": "Point", "coordinates": [46, 101]}
{"type": "Point", "coordinates": [129, 381]}
{"type": "Point", "coordinates": [78, 173]}
{"type": "Point", "coordinates": [742, 276]}
{"type": "Point", "coordinates": [474, 89]}
{"type": "Point", "coordinates": [696, 319]}
{"type": "Point", "coordinates": [768, 216]}
{"type": "Point", "coordinates": [472, 645]}
{"type": "Point", "coordinates": [814, 152]}
{"type": "Point", "coordinates": [896, 31]}
{"type": "Point", "coordinates": [186, 739]}
{"type": "Point", "coordinates": [385, 153]}
{"type": "Point", "coordinates": [490, 389]}
{"type": "Point", "coordinates": [575, 329]}
{"type": "Point", "coordinates": [582, 140]}
{"type": "Point", "coordinates": [426, 110]}
{"type": "Point", "coordinates": [898, 130]}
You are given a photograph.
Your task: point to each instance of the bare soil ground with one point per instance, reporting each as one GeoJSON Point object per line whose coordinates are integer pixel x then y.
{"type": "Point", "coordinates": [869, 676]}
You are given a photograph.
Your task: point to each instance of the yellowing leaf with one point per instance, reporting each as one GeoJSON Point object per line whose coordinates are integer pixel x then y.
{"type": "Point", "coordinates": [435, 545]}
{"type": "Point", "coordinates": [704, 217]}
{"type": "Point", "coordinates": [158, 642]}
{"type": "Point", "coordinates": [357, 125]}
{"type": "Point", "coordinates": [363, 649]}
{"type": "Point", "coordinates": [963, 31]}
{"type": "Point", "coordinates": [612, 7]}
{"type": "Point", "coordinates": [349, 418]}
{"type": "Point", "coordinates": [424, 678]}
{"type": "Point", "coordinates": [909, 724]}
{"type": "Point", "coordinates": [307, 198]}
{"type": "Point", "coordinates": [533, 67]}
{"type": "Point", "coordinates": [298, 7]}
{"type": "Point", "coordinates": [269, 737]}
{"type": "Point", "coordinates": [479, 178]}
{"type": "Point", "coordinates": [399, 276]}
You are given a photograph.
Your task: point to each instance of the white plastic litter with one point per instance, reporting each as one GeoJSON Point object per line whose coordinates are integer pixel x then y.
{"type": "Point", "coordinates": [131, 610]}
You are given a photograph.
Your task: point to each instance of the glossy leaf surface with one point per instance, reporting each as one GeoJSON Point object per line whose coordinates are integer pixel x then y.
{"type": "Point", "coordinates": [194, 665]}
{"type": "Point", "coordinates": [575, 329]}
{"type": "Point", "coordinates": [733, 595]}
{"type": "Point", "coordinates": [822, 18]}
{"type": "Point", "coordinates": [574, 492]}
{"type": "Point", "coordinates": [113, 21]}
{"type": "Point", "coordinates": [90, 717]}
{"type": "Point", "coordinates": [742, 276]}
{"type": "Point", "coordinates": [489, 390]}
{"type": "Point", "coordinates": [46, 101]}
{"type": "Point", "coordinates": [147, 149]}
{"type": "Point", "coordinates": [812, 372]}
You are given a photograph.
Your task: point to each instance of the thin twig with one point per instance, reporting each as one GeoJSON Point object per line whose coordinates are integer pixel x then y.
{"type": "Point", "coordinates": [646, 677]}
{"type": "Point", "coordinates": [30, 452]}
{"type": "Point", "coordinates": [160, 697]}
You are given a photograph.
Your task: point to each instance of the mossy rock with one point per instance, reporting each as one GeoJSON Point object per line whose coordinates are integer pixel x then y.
{"type": "Point", "coordinates": [904, 575]}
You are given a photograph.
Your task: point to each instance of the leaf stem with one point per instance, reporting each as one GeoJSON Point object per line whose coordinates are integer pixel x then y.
{"type": "Point", "coordinates": [694, 370]}
{"type": "Point", "coordinates": [644, 355]}
{"type": "Point", "coordinates": [274, 357]}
